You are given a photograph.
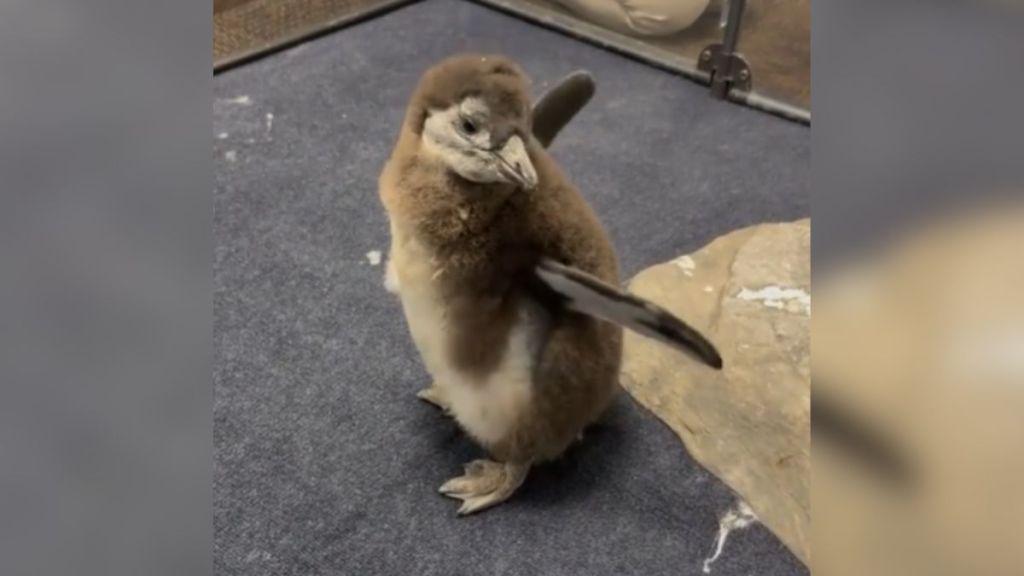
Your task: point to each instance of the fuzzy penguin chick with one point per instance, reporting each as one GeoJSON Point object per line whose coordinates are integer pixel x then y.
{"type": "Point", "coordinates": [496, 255]}
{"type": "Point", "coordinates": [474, 203]}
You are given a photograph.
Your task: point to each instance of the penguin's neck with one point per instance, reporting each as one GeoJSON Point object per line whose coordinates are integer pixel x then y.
{"type": "Point", "coordinates": [447, 208]}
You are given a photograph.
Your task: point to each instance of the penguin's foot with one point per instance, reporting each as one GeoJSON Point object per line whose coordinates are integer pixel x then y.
{"type": "Point", "coordinates": [486, 483]}
{"type": "Point", "coordinates": [436, 395]}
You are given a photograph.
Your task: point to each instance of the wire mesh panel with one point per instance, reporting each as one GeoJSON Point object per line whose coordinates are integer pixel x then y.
{"type": "Point", "coordinates": [243, 28]}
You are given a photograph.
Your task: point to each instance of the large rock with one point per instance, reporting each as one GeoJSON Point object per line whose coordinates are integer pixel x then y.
{"type": "Point", "coordinates": [749, 292]}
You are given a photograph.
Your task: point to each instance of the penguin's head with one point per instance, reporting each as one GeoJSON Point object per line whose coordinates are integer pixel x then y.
{"type": "Point", "coordinates": [472, 112]}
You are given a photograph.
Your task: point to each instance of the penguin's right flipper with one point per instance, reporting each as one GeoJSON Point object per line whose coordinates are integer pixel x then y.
{"type": "Point", "coordinates": [586, 294]}
{"type": "Point", "coordinates": [560, 104]}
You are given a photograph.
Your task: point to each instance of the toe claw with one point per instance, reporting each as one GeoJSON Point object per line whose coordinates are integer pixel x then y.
{"type": "Point", "coordinates": [459, 488]}
{"type": "Point", "coordinates": [484, 484]}
{"type": "Point", "coordinates": [434, 395]}
{"type": "Point", "coordinates": [479, 503]}
{"type": "Point", "coordinates": [450, 487]}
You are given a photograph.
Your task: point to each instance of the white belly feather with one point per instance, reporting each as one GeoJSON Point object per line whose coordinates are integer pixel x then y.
{"type": "Point", "coordinates": [486, 407]}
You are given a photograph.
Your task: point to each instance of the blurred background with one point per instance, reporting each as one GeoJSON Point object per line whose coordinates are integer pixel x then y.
{"type": "Point", "coordinates": [106, 432]}
{"type": "Point", "coordinates": [918, 363]}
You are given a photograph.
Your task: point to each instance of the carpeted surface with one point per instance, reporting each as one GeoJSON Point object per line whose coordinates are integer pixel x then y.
{"type": "Point", "coordinates": [325, 463]}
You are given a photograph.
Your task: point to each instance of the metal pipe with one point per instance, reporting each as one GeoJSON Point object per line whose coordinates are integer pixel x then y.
{"type": "Point", "coordinates": [732, 26]}
{"type": "Point", "coordinates": [723, 76]}
{"type": "Point", "coordinates": [771, 105]}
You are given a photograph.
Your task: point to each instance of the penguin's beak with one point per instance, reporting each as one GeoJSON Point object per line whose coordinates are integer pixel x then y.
{"type": "Point", "coordinates": [514, 163]}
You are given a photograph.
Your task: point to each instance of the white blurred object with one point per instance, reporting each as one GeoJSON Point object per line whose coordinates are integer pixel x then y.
{"type": "Point", "coordinates": [639, 17]}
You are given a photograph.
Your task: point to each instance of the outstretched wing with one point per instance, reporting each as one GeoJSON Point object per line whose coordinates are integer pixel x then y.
{"type": "Point", "coordinates": [589, 295]}
{"type": "Point", "coordinates": [560, 104]}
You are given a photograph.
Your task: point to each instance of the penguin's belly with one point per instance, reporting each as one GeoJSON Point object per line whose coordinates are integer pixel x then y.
{"type": "Point", "coordinates": [487, 406]}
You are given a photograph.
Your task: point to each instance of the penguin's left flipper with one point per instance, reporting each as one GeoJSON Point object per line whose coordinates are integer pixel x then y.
{"type": "Point", "coordinates": [586, 294]}
{"type": "Point", "coordinates": [560, 104]}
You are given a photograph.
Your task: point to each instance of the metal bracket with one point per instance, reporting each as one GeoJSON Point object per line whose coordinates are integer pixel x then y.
{"type": "Point", "coordinates": [722, 63]}
{"type": "Point", "coordinates": [726, 69]}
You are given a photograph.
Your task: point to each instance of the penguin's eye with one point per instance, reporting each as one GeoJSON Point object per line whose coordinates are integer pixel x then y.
{"type": "Point", "coordinates": [468, 126]}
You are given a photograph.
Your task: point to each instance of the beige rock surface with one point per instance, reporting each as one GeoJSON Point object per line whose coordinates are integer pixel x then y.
{"type": "Point", "coordinates": [749, 292]}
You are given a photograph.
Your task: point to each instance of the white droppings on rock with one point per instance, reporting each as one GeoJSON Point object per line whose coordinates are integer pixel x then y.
{"type": "Point", "coordinates": [222, 136]}
{"type": "Point", "coordinates": [270, 122]}
{"type": "Point", "coordinates": [790, 299]}
{"type": "Point", "coordinates": [709, 289]}
{"type": "Point", "coordinates": [240, 100]}
{"type": "Point", "coordinates": [736, 519]}
{"type": "Point", "coordinates": [687, 264]}
{"type": "Point", "coordinates": [373, 256]}
{"type": "Point", "coordinates": [231, 155]}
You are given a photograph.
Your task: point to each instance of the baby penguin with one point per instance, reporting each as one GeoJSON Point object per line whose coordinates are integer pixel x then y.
{"type": "Point", "coordinates": [506, 277]}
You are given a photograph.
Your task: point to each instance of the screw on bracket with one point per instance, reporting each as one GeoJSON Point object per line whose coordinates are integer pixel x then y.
{"type": "Point", "coordinates": [727, 70]}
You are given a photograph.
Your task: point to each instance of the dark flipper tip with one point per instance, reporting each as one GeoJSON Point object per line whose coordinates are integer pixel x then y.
{"type": "Point", "coordinates": [687, 339]}
{"type": "Point", "coordinates": [560, 104]}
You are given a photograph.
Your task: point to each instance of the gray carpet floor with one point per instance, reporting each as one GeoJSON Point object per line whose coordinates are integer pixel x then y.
{"type": "Point", "coordinates": [325, 463]}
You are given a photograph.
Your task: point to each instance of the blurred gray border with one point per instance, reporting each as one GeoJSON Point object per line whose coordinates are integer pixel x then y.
{"type": "Point", "coordinates": [917, 114]}
{"type": "Point", "coordinates": [105, 407]}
